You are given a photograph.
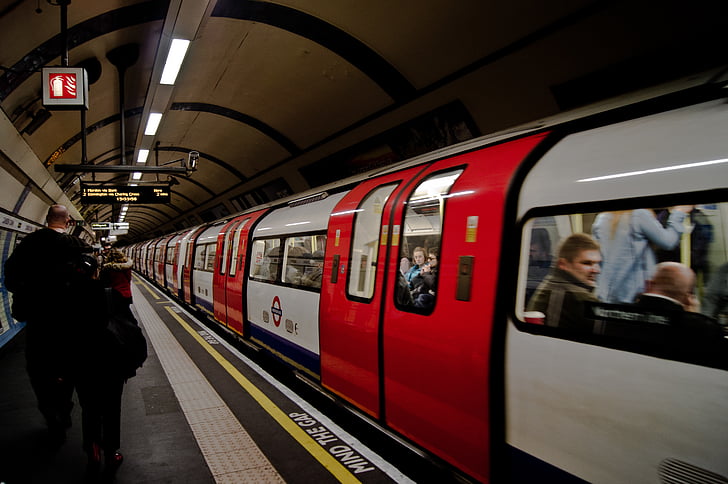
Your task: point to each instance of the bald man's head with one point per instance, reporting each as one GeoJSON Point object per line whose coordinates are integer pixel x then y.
{"type": "Point", "coordinates": [673, 280]}
{"type": "Point", "coordinates": [57, 217]}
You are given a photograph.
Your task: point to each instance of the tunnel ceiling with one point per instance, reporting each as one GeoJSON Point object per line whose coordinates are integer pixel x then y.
{"type": "Point", "coordinates": [281, 97]}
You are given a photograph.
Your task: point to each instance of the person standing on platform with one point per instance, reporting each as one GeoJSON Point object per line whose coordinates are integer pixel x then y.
{"type": "Point", "coordinates": [40, 273]}
{"type": "Point", "coordinates": [116, 274]}
{"type": "Point", "coordinates": [99, 375]}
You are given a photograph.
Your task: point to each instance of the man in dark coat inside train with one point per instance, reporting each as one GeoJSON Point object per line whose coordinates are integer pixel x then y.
{"type": "Point", "coordinates": [692, 335]}
{"type": "Point", "coordinates": [40, 273]}
{"type": "Point", "coordinates": [561, 297]}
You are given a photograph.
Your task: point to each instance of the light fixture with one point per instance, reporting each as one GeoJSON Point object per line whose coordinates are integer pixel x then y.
{"type": "Point", "coordinates": [137, 175]}
{"type": "Point", "coordinates": [176, 55]}
{"type": "Point", "coordinates": [153, 124]}
{"type": "Point", "coordinates": [142, 157]}
{"type": "Point", "coordinates": [682, 166]}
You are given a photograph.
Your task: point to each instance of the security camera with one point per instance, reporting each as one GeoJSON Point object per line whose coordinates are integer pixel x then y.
{"type": "Point", "coordinates": [192, 159]}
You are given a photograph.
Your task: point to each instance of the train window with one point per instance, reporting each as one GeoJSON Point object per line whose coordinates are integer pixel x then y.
{"type": "Point", "coordinates": [210, 257]}
{"type": "Point", "coordinates": [200, 256]}
{"type": "Point", "coordinates": [266, 259]}
{"type": "Point", "coordinates": [365, 242]}
{"type": "Point", "coordinates": [236, 246]}
{"type": "Point", "coordinates": [303, 260]}
{"type": "Point", "coordinates": [599, 276]}
{"type": "Point", "coordinates": [171, 254]}
{"type": "Point", "coordinates": [419, 249]}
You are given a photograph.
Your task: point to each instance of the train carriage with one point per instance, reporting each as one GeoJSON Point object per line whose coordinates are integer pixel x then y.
{"type": "Point", "coordinates": [319, 282]}
{"type": "Point", "coordinates": [286, 267]}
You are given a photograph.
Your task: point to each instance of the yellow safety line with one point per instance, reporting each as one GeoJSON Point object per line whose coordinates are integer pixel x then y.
{"type": "Point", "coordinates": [308, 443]}
{"type": "Point", "coordinates": [146, 286]}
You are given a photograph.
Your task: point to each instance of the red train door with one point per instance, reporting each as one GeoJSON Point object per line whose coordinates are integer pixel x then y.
{"type": "Point", "coordinates": [223, 253]}
{"type": "Point", "coordinates": [229, 271]}
{"type": "Point", "coordinates": [187, 267]}
{"type": "Point", "coordinates": [436, 355]}
{"type": "Point", "coordinates": [351, 290]}
{"type": "Point", "coordinates": [235, 273]}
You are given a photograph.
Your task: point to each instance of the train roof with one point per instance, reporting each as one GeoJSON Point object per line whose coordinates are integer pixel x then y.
{"type": "Point", "coordinates": [713, 80]}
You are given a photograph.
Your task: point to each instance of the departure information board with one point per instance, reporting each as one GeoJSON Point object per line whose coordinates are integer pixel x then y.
{"type": "Point", "coordinates": [124, 193]}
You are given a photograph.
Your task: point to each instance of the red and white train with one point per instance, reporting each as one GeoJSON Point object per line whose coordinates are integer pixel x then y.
{"type": "Point", "coordinates": [314, 280]}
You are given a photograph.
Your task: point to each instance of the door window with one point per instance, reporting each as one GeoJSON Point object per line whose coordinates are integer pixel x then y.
{"type": "Point", "coordinates": [365, 243]}
{"type": "Point", "coordinates": [419, 249]}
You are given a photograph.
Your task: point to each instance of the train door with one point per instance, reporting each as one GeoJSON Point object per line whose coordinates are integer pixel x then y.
{"type": "Point", "coordinates": [231, 270]}
{"type": "Point", "coordinates": [436, 344]}
{"type": "Point", "coordinates": [224, 251]}
{"type": "Point", "coordinates": [351, 290]}
{"type": "Point", "coordinates": [170, 259]}
{"type": "Point", "coordinates": [181, 261]}
{"type": "Point", "coordinates": [188, 268]}
{"type": "Point", "coordinates": [146, 255]}
{"type": "Point", "coordinates": [160, 261]}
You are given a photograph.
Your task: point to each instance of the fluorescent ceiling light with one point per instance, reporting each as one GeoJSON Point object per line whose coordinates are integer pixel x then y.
{"type": "Point", "coordinates": [142, 157]}
{"type": "Point", "coordinates": [655, 170]}
{"type": "Point", "coordinates": [176, 55]}
{"type": "Point", "coordinates": [153, 124]}
{"type": "Point", "coordinates": [137, 175]}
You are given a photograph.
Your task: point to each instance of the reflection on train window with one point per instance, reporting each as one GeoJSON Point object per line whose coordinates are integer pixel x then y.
{"type": "Point", "coordinates": [205, 257]}
{"type": "Point", "coordinates": [420, 243]}
{"type": "Point", "coordinates": [266, 258]}
{"type": "Point", "coordinates": [210, 258]}
{"type": "Point", "coordinates": [226, 247]}
{"type": "Point", "coordinates": [592, 274]}
{"type": "Point", "coordinates": [171, 254]}
{"type": "Point", "coordinates": [236, 247]}
{"type": "Point", "coordinates": [303, 260]}
{"type": "Point", "coordinates": [365, 242]}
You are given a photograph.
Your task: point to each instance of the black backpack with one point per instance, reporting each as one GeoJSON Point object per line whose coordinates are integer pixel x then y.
{"type": "Point", "coordinates": [129, 342]}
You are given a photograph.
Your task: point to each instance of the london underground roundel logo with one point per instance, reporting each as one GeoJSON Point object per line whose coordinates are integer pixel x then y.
{"type": "Point", "coordinates": [276, 310]}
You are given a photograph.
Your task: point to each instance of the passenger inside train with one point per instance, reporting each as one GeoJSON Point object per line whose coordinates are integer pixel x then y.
{"type": "Point", "coordinates": [424, 284]}
{"type": "Point", "coordinates": [561, 297]}
{"type": "Point", "coordinates": [630, 321]}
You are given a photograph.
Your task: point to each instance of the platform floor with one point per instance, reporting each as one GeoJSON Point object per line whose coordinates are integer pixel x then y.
{"type": "Point", "coordinates": [199, 411]}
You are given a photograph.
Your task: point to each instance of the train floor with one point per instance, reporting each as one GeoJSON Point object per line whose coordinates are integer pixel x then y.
{"type": "Point", "coordinates": [199, 411]}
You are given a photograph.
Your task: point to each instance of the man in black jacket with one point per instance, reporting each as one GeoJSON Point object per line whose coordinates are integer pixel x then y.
{"type": "Point", "coordinates": [690, 334]}
{"type": "Point", "coordinates": [40, 273]}
{"type": "Point", "coordinates": [562, 296]}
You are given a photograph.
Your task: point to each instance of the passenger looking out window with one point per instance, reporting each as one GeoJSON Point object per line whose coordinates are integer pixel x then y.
{"type": "Point", "coordinates": [561, 297]}
{"type": "Point", "coordinates": [423, 294]}
{"type": "Point", "coordinates": [418, 257]}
